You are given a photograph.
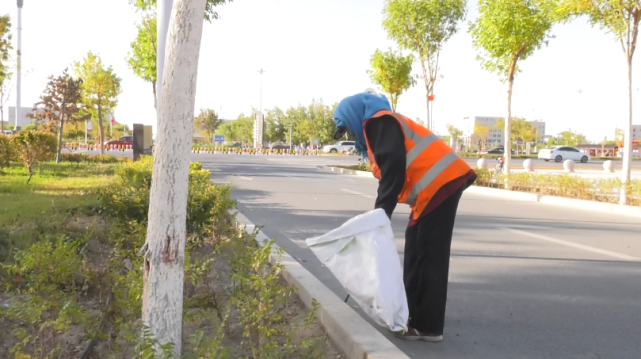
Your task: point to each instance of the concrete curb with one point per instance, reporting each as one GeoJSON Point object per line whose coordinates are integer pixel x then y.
{"type": "Point", "coordinates": [352, 334]}
{"type": "Point", "coordinates": [530, 197]}
{"type": "Point", "coordinates": [349, 172]}
{"type": "Point", "coordinates": [560, 201]}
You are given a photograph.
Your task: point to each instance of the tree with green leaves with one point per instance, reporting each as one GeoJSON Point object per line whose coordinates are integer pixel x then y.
{"type": "Point", "coordinates": [208, 122]}
{"type": "Point", "coordinates": [392, 72]}
{"type": "Point", "coordinates": [521, 129]}
{"type": "Point", "coordinates": [5, 47]}
{"type": "Point", "coordinates": [32, 147]}
{"type": "Point", "coordinates": [5, 95]}
{"type": "Point", "coordinates": [239, 130]}
{"type": "Point", "coordinates": [275, 125]}
{"type": "Point", "coordinates": [100, 87]}
{"type": "Point", "coordinates": [149, 6]}
{"type": "Point", "coordinates": [482, 133]}
{"type": "Point", "coordinates": [619, 135]}
{"type": "Point", "coordinates": [570, 138]}
{"type": "Point", "coordinates": [454, 132]}
{"type": "Point", "coordinates": [424, 26]}
{"type": "Point", "coordinates": [142, 55]}
{"type": "Point", "coordinates": [5, 73]}
{"type": "Point", "coordinates": [505, 33]}
{"type": "Point", "coordinates": [60, 103]}
{"type": "Point", "coordinates": [620, 18]}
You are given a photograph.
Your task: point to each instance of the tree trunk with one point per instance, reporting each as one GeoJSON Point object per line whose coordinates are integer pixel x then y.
{"type": "Point", "coordinates": [101, 129]}
{"type": "Point", "coordinates": [153, 83]}
{"type": "Point", "coordinates": [165, 245]}
{"type": "Point", "coordinates": [627, 142]}
{"type": "Point", "coordinates": [58, 155]}
{"type": "Point", "coordinates": [427, 122]}
{"type": "Point", "coordinates": [508, 128]}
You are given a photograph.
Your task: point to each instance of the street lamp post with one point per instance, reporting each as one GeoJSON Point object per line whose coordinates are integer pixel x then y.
{"type": "Point", "coordinates": [19, 67]}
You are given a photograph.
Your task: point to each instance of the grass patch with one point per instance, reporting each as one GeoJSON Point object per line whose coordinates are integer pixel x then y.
{"type": "Point", "coordinates": [55, 193]}
{"type": "Point", "coordinates": [71, 246]}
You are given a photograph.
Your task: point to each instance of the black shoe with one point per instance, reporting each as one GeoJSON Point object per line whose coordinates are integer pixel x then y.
{"type": "Point", "coordinates": [415, 335]}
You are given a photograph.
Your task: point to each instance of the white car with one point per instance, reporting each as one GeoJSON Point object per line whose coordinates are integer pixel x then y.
{"type": "Point", "coordinates": [339, 147]}
{"type": "Point", "coordinates": [562, 153]}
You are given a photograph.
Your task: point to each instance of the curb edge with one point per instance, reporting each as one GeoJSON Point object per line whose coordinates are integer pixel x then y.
{"type": "Point", "coordinates": [530, 197]}
{"type": "Point", "coordinates": [352, 334]}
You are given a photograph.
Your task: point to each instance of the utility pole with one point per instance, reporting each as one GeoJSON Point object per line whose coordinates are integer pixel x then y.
{"type": "Point", "coordinates": [19, 67]}
{"type": "Point", "coordinates": [163, 14]}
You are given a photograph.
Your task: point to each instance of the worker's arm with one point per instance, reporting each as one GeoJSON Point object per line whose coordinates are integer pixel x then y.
{"type": "Point", "coordinates": [387, 143]}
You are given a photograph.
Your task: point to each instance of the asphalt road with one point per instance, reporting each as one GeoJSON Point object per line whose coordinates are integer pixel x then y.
{"type": "Point", "coordinates": [516, 163]}
{"type": "Point", "coordinates": [527, 280]}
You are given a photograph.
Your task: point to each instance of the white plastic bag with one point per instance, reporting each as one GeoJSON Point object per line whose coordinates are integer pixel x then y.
{"type": "Point", "coordinates": [362, 256]}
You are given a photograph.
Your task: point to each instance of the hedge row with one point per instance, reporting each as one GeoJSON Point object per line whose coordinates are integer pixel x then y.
{"type": "Point", "coordinates": [569, 186]}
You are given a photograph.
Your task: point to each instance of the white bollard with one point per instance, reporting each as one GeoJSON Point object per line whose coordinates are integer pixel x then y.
{"type": "Point", "coordinates": [481, 163]}
{"type": "Point", "coordinates": [608, 166]}
{"type": "Point", "coordinates": [568, 165]}
{"type": "Point", "coordinates": [528, 165]}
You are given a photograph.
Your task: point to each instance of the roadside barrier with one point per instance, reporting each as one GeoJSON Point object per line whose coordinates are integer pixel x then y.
{"type": "Point", "coordinates": [253, 151]}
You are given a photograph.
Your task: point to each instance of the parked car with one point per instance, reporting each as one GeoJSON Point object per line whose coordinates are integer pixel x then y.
{"type": "Point", "coordinates": [122, 141]}
{"type": "Point", "coordinates": [279, 146]}
{"type": "Point", "coordinates": [561, 153]}
{"type": "Point", "coordinates": [7, 132]}
{"type": "Point", "coordinates": [498, 151]}
{"type": "Point", "coordinates": [342, 146]}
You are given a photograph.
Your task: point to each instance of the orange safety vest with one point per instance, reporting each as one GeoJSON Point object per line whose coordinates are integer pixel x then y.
{"type": "Point", "coordinates": [430, 163]}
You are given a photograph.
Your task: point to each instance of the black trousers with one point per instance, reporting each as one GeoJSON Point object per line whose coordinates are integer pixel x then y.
{"type": "Point", "coordinates": [426, 266]}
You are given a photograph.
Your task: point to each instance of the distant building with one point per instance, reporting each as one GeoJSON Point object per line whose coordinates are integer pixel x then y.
{"type": "Point", "coordinates": [23, 120]}
{"type": "Point", "coordinates": [496, 136]}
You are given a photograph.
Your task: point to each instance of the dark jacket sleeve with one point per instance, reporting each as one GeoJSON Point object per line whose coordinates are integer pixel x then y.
{"type": "Point", "coordinates": [387, 143]}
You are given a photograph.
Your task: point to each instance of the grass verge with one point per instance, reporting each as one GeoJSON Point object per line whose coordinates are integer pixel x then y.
{"type": "Point", "coordinates": [72, 281]}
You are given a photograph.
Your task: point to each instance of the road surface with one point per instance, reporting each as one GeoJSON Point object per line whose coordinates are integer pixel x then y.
{"type": "Point", "coordinates": [527, 280]}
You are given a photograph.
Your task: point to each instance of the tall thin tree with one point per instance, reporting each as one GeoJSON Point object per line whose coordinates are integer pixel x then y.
{"type": "Point", "coordinates": [424, 26]}
{"type": "Point", "coordinates": [60, 103]}
{"type": "Point", "coordinates": [505, 33]}
{"type": "Point", "coordinates": [164, 249]}
{"type": "Point", "coordinates": [621, 18]}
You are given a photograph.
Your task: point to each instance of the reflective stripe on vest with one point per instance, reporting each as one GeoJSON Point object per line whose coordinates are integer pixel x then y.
{"type": "Point", "coordinates": [420, 145]}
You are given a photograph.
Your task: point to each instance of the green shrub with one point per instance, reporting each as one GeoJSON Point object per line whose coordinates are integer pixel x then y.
{"type": "Point", "coordinates": [603, 190]}
{"type": "Point", "coordinates": [102, 159]}
{"type": "Point", "coordinates": [33, 147]}
{"type": "Point", "coordinates": [51, 275]}
{"type": "Point", "coordinates": [128, 197]}
{"type": "Point", "coordinates": [73, 157]}
{"type": "Point", "coordinates": [6, 152]}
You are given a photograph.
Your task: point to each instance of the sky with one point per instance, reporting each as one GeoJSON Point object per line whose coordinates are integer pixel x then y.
{"type": "Point", "coordinates": [321, 50]}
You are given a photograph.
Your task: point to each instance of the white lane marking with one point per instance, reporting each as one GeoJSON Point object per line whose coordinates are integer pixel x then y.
{"type": "Point", "coordinates": [573, 245]}
{"type": "Point", "coordinates": [245, 178]}
{"type": "Point", "coordinates": [358, 193]}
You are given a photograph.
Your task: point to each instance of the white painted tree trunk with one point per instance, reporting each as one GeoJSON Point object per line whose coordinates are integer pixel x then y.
{"type": "Point", "coordinates": [165, 245]}
{"type": "Point", "coordinates": [627, 141]}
